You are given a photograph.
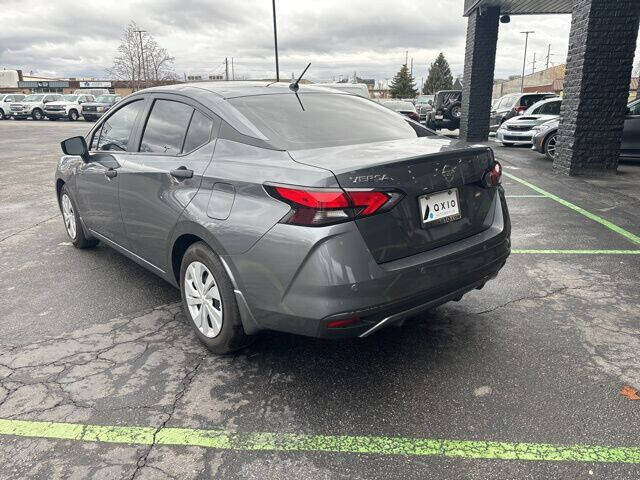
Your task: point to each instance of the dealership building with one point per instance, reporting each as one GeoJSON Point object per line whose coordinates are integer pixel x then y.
{"type": "Point", "coordinates": [15, 81]}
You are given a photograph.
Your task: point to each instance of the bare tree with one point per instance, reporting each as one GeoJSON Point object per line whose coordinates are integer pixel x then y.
{"type": "Point", "coordinates": [133, 50]}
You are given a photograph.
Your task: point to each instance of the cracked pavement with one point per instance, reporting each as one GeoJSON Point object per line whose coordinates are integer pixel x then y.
{"type": "Point", "coordinates": [539, 355]}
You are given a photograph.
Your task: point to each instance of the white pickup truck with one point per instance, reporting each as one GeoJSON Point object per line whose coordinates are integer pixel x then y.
{"type": "Point", "coordinates": [33, 105]}
{"type": "Point", "coordinates": [69, 107]}
{"type": "Point", "coordinates": [5, 103]}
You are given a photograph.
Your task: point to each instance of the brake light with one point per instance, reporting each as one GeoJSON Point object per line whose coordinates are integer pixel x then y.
{"type": "Point", "coordinates": [520, 109]}
{"type": "Point", "coordinates": [325, 206]}
{"type": "Point", "coordinates": [492, 177]}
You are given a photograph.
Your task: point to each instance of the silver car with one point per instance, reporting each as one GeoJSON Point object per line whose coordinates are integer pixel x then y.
{"type": "Point", "coordinates": [520, 130]}
{"type": "Point", "coordinates": [282, 210]}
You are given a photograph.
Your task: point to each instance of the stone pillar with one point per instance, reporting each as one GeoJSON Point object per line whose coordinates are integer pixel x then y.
{"type": "Point", "coordinates": [596, 86]}
{"type": "Point", "coordinates": [479, 64]}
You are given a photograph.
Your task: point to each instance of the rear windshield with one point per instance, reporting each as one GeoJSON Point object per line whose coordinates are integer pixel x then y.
{"type": "Point", "coordinates": [321, 120]}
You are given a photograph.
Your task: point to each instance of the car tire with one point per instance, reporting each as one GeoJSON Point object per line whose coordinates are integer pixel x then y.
{"type": "Point", "coordinates": [456, 112]}
{"type": "Point", "coordinates": [507, 144]}
{"type": "Point", "coordinates": [549, 147]}
{"type": "Point", "coordinates": [73, 115]}
{"type": "Point", "coordinates": [2, 115]}
{"type": "Point", "coordinates": [71, 220]}
{"type": "Point", "coordinates": [37, 114]}
{"type": "Point", "coordinates": [215, 321]}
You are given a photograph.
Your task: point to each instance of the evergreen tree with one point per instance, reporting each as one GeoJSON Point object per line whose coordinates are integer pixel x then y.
{"type": "Point", "coordinates": [439, 76]}
{"type": "Point", "coordinates": [403, 85]}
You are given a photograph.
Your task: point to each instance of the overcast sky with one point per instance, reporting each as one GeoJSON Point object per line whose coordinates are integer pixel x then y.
{"type": "Point", "coordinates": [71, 38]}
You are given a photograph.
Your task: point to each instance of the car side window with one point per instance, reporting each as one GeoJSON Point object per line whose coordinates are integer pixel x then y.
{"type": "Point", "coordinates": [166, 127]}
{"type": "Point", "coordinates": [115, 131]}
{"type": "Point", "coordinates": [199, 132]}
{"type": "Point", "coordinates": [634, 109]}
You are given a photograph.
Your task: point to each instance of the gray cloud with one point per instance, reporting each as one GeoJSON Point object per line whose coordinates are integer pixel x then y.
{"type": "Point", "coordinates": [70, 38]}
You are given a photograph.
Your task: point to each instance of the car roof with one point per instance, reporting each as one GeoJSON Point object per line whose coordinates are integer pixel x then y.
{"type": "Point", "coordinates": [213, 95]}
{"type": "Point", "coordinates": [235, 89]}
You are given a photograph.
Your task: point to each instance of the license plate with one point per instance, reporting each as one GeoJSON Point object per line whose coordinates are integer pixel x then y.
{"type": "Point", "coordinates": [439, 207]}
{"type": "Point", "coordinates": [439, 117]}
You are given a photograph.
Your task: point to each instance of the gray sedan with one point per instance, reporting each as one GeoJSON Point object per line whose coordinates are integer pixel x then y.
{"type": "Point", "coordinates": [278, 209]}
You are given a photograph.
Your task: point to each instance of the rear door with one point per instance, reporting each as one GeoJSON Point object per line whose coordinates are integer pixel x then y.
{"type": "Point", "coordinates": [174, 147]}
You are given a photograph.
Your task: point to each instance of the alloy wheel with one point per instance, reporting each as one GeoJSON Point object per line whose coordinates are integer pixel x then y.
{"type": "Point", "coordinates": [37, 115]}
{"type": "Point", "coordinates": [551, 147]}
{"type": "Point", "coordinates": [69, 216]}
{"type": "Point", "coordinates": [203, 299]}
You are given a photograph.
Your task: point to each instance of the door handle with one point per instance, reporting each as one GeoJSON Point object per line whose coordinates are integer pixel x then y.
{"type": "Point", "coordinates": [181, 173]}
{"type": "Point", "coordinates": [111, 173]}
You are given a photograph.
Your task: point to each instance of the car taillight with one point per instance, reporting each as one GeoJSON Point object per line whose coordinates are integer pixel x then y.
{"type": "Point", "coordinates": [492, 177]}
{"type": "Point", "coordinates": [414, 116]}
{"type": "Point", "coordinates": [325, 206]}
{"type": "Point", "coordinates": [520, 109]}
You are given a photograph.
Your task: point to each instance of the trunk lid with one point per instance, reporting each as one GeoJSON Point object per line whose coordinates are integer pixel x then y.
{"type": "Point", "coordinates": [417, 167]}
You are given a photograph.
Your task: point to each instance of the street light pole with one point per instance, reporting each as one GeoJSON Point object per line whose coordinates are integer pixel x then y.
{"type": "Point", "coordinates": [524, 63]}
{"type": "Point", "coordinates": [275, 40]}
{"type": "Point", "coordinates": [144, 68]}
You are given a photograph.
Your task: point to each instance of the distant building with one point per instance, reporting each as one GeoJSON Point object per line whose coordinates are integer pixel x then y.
{"type": "Point", "coordinates": [457, 85]}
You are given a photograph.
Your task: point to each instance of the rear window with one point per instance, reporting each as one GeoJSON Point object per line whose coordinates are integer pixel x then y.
{"type": "Point", "coordinates": [321, 120]}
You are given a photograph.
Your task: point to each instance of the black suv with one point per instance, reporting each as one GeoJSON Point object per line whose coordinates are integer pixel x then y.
{"type": "Point", "coordinates": [512, 105]}
{"type": "Point", "coordinates": [447, 110]}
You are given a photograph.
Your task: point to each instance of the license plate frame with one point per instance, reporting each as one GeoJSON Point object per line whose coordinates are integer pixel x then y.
{"type": "Point", "coordinates": [439, 207]}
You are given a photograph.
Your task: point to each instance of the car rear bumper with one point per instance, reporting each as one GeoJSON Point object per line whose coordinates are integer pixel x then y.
{"type": "Point", "coordinates": [299, 280]}
{"type": "Point", "coordinates": [61, 114]}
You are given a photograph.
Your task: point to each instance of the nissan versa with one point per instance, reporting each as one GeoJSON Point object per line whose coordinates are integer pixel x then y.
{"type": "Point", "coordinates": [291, 208]}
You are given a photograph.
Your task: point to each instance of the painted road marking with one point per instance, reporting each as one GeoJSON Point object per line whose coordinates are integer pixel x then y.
{"type": "Point", "coordinates": [576, 252]}
{"type": "Point", "coordinates": [289, 442]}
{"type": "Point", "coordinates": [619, 230]}
{"type": "Point", "coordinates": [525, 196]}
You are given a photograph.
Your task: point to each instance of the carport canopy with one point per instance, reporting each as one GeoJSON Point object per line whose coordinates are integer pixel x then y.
{"type": "Point", "coordinates": [602, 44]}
{"type": "Point", "coordinates": [521, 7]}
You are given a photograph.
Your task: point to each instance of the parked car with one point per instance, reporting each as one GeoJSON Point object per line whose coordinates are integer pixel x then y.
{"type": "Point", "coordinates": [276, 211]}
{"type": "Point", "coordinates": [359, 89]}
{"type": "Point", "coordinates": [91, 111]}
{"type": "Point", "coordinates": [33, 105]}
{"type": "Point", "coordinates": [69, 107]}
{"type": "Point", "coordinates": [96, 92]}
{"type": "Point", "coordinates": [447, 110]}
{"type": "Point", "coordinates": [6, 99]}
{"type": "Point", "coordinates": [546, 135]}
{"type": "Point", "coordinates": [424, 104]}
{"type": "Point", "coordinates": [405, 108]}
{"type": "Point", "coordinates": [512, 105]}
{"type": "Point", "coordinates": [520, 130]}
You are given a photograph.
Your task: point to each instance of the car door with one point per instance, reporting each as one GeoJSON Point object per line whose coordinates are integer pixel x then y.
{"type": "Point", "coordinates": [631, 133]}
{"type": "Point", "coordinates": [97, 181]}
{"type": "Point", "coordinates": [174, 148]}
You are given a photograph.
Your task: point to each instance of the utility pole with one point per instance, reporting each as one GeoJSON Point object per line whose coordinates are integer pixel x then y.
{"type": "Point", "coordinates": [144, 68]}
{"type": "Point", "coordinates": [412, 66]}
{"type": "Point", "coordinates": [226, 68]}
{"type": "Point", "coordinates": [524, 62]}
{"type": "Point", "coordinates": [406, 57]}
{"type": "Point", "coordinates": [533, 70]}
{"type": "Point", "coordinates": [275, 40]}
{"type": "Point", "coordinates": [548, 55]}
{"type": "Point", "coordinates": [233, 73]}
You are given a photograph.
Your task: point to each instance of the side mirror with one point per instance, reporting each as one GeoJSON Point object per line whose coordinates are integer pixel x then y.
{"type": "Point", "coordinates": [75, 146]}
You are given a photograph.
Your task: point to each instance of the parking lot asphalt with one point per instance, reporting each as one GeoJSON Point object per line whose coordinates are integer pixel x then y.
{"type": "Point", "coordinates": [101, 377]}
